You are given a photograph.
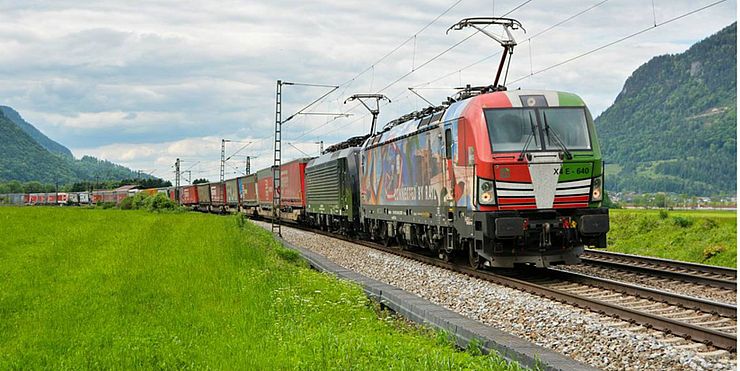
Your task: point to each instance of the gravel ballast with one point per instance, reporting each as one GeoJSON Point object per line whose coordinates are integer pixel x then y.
{"type": "Point", "coordinates": [597, 340]}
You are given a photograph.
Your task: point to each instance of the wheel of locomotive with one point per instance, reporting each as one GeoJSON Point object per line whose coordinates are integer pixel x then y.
{"type": "Point", "coordinates": [475, 260]}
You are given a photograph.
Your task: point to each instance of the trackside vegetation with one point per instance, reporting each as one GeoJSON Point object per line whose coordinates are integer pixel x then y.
{"type": "Point", "coordinates": [123, 289]}
{"type": "Point", "coordinates": [707, 237]}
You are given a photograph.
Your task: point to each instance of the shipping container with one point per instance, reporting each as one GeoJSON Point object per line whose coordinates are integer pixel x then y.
{"type": "Point", "coordinates": [232, 193]}
{"type": "Point", "coordinates": [84, 197]}
{"type": "Point", "coordinates": [218, 194]}
{"type": "Point", "coordinates": [248, 190]}
{"type": "Point", "coordinates": [12, 199]}
{"type": "Point", "coordinates": [35, 198]}
{"type": "Point", "coordinates": [204, 194]}
{"type": "Point", "coordinates": [150, 191]}
{"type": "Point", "coordinates": [293, 183]}
{"type": "Point", "coordinates": [264, 188]}
{"type": "Point", "coordinates": [189, 195]}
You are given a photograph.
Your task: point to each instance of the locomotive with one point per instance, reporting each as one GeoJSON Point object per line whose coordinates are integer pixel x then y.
{"type": "Point", "coordinates": [506, 178]}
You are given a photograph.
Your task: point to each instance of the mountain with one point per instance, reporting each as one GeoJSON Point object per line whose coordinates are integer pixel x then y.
{"type": "Point", "coordinates": [38, 136]}
{"type": "Point", "coordinates": [23, 157]}
{"type": "Point", "coordinates": [673, 126]}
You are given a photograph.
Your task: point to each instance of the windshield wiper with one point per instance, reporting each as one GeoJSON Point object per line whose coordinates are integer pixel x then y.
{"type": "Point", "coordinates": [568, 155]}
{"type": "Point", "coordinates": [529, 139]}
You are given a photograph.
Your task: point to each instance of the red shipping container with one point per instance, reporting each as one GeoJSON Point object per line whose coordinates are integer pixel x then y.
{"type": "Point", "coordinates": [264, 187]}
{"type": "Point", "coordinates": [218, 194]}
{"type": "Point", "coordinates": [293, 183]}
{"type": "Point", "coordinates": [189, 195]}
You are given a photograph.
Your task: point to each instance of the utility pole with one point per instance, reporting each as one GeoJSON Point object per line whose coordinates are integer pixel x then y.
{"type": "Point", "coordinates": [276, 159]}
{"type": "Point", "coordinates": [177, 176]}
{"type": "Point", "coordinates": [223, 157]}
{"type": "Point", "coordinates": [278, 140]}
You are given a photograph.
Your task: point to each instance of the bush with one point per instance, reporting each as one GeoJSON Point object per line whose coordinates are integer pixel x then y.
{"type": "Point", "coordinates": [709, 224]}
{"type": "Point", "coordinates": [159, 202]}
{"type": "Point", "coordinates": [138, 201]}
{"type": "Point", "coordinates": [143, 201]}
{"type": "Point", "coordinates": [663, 214]}
{"type": "Point", "coordinates": [126, 203]}
{"type": "Point", "coordinates": [682, 222]}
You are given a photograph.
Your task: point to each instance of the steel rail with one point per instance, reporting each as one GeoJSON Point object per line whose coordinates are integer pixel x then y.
{"type": "Point", "coordinates": [714, 276]}
{"type": "Point", "coordinates": [667, 297]}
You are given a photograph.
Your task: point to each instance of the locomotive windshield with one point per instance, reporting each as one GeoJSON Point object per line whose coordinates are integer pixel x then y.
{"type": "Point", "coordinates": [538, 129]}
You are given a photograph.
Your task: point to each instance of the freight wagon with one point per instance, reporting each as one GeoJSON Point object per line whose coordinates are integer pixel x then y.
{"type": "Point", "coordinates": [264, 192]}
{"type": "Point", "coordinates": [232, 194]}
{"type": "Point", "coordinates": [18, 199]}
{"type": "Point", "coordinates": [248, 193]}
{"type": "Point", "coordinates": [189, 195]}
{"type": "Point", "coordinates": [218, 197]}
{"type": "Point", "coordinates": [204, 196]}
{"type": "Point", "coordinates": [292, 188]}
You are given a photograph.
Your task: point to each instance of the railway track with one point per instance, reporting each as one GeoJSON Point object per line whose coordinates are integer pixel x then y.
{"type": "Point", "coordinates": [712, 276]}
{"type": "Point", "coordinates": [700, 321]}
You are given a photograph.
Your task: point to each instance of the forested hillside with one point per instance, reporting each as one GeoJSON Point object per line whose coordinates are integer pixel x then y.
{"type": "Point", "coordinates": [34, 133]}
{"type": "Point", "coordinates": [673, 126]}
{"type": "Point", "coordinates": [23, 158]}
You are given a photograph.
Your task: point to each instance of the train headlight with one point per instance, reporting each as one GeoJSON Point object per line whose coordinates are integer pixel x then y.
{"type": "Point", "coordinates": [485, 192]}
{"type": "Point", "coordinates": [596, 189]}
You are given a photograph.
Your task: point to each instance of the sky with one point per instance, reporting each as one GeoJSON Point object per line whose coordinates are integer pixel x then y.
{"type": "Point", "coordinates": [141, 83]}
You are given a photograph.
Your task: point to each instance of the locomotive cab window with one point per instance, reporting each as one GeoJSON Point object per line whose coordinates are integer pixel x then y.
{"type": "Point", "coordinates": [539, 129]}
{"type": "Point", "coordinates": [511, 129]}
{"type": "Point", "coordinates": [448, 143]}
{"type": "Point", "coordinates": [567, 125]}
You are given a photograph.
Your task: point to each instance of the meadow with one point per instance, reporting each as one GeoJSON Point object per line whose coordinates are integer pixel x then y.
{"type": "Point", "coordinates": [707, 237]}
{"type": "Point", "coordinates": [90, 288]}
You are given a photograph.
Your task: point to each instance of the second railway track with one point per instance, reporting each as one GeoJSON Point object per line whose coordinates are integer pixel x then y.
{"type": "Point", "coordinates": [713, 276]}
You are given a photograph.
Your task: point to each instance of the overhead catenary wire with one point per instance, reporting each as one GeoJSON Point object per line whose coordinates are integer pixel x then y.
{"type": "Point", "coordinates": [529, 40]}
{"type": "Point", "coordinates": [681, 16]}
{"type": "Point", "coordinates": [437, 56]}
{"type": "Point", "coordinates": [398, 47]}
{"type": "Point", "coordinates": [639, 32]}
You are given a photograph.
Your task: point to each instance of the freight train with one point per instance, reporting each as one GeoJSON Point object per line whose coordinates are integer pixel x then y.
{"type": "Point", "coordinates": [503, 178]}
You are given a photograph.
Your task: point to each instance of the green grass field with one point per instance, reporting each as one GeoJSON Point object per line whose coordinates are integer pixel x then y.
{"type": "Point", "coordinates": [85, 288]}
{"type": "Point", "coordinates": [708, 237]}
